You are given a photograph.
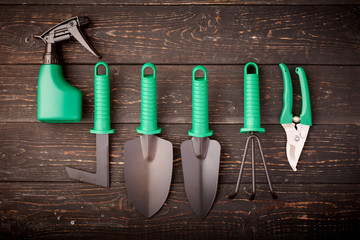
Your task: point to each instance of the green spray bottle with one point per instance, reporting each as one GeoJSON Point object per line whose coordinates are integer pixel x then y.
{"type": "Point", "coordinates": [57, 100]}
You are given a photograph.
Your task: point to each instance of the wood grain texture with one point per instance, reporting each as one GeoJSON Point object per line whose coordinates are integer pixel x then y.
{"type": "Point", "coordinates": [40, 152]}
{"type": "Point", "coordinates": [319, 201]}
{"type": "Point", "coordinates": [62, 210]}
{"type": "Point", "coordinates": [332, 90]}
{"type": "Point", "coordinates": [189, 34]}
{"type": "Point", "coordinates": [183, 2]}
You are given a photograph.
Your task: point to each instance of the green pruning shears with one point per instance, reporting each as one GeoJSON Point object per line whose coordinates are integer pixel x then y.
{"type": "Point", "coordinates": [296, 127]}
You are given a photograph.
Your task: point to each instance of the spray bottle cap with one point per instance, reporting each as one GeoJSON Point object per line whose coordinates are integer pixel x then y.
{"type": "Point", "coordinates": [67, 29]}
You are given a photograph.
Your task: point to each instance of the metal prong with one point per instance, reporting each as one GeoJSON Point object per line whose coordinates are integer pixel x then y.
{"type": "Point", "coordinates": [233, 195]}
{"type": "Point", "coordinates": [266, 170]}
{"type": "Point", "coordinates": [253, 168]}
{"type": "Point", "coordinates": [252, 196]}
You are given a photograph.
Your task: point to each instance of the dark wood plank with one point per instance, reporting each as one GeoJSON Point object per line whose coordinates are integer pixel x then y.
{"type": "Point", "coordinates": [61, 210]}
{"type": "Point", "coordinates": [40, 152]}
{"type": "Point", "coordinates": [319, 201]}
{"type": "Point", "coordinates": [332, 90]}
{"type": "Point", "coordinates": [184, 2]}
{"type": "Point", "coordinates": [189, 34]}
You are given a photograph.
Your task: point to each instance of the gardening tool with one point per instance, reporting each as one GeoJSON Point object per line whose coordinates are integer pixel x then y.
{"type": "Point", "coordinates": [252, 123]}
{"type": "Point", "coordinates": [57, 100]}
{"type": "Point", "coordinates": [148, 159]}
{"type": "Point", "coordinates": [200, 155]}
{"type": "Point", "coordinates": [296, 127]}
{"type": "Point", "coordinates": [102, 130]}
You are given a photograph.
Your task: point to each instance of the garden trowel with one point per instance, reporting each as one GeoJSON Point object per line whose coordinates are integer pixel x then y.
{"type": "Point", "coordinates": [200, 155]}
{"type": "Point", "coordinates": [148, 159]}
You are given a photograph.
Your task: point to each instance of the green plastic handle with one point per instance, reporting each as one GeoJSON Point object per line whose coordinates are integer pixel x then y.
{"type": "Point", "coordinates": [286, 114]}
{"type": "Point", "coordinates": [57, 100]}
{"type": "Point", "coordinates": [102, 102]}
{"type": "Point", "coordinates": [148, 102]}
{"type": "Point", "coordinates": [252, 119]}
{"type": "Point", "coordinates": [200, 115]}
{"type": "Point", "coordinates": [305, 116]}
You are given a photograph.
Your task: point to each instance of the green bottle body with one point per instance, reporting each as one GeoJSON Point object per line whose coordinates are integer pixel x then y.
{"type": "Point", "coordinates": [57, 100]}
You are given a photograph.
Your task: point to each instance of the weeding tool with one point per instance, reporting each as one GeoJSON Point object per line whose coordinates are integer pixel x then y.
{"type": "Point", "coordinates": [252, 123]}
{"type": "Point", "coordinates": [296, 127]}
{"type": "Point", "coordinates": [148, 159]}
{"type": "Point", "coordinates": [200, 155]}
{"type": "Point", "coordinates": [57, 100]}
{"type": "Point", "coordinates": [102, 130]}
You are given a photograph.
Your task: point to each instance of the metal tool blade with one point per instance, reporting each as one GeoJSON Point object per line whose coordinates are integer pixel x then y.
{"type": "Point", "coordinates": [148, 166]}
{"type": "Point", "coordinates": [296, 138]}
{"type": "Point", "coordinates": [101, 177]}
{"type": "Point", "coordinates": [201, 171]}
{"type": "Point", "coordinates": [290, 153]}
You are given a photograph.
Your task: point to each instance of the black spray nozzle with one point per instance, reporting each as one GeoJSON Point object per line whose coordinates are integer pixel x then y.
{"type": "Point", "coordinates": [67, 29]}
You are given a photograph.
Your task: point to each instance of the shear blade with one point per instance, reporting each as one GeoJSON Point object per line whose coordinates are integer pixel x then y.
{"type": "Point", "coordinates": [290, 153]}
{"type": "Point", "coordinates": [296, 138]}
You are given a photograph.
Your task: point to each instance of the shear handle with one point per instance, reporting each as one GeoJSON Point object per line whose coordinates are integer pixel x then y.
{"type": "Point", "coordinates": [305, 116]}
{"type": "Point", "coordinates": [286, 114]}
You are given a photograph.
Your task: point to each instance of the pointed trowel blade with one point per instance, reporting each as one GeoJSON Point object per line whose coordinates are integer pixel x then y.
{"type": "Point", "coordinates": [148, 166]}
{"type": "Point", "coordinates": [200, 175]}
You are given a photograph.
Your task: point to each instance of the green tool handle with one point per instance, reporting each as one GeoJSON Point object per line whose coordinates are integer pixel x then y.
{"type": "Point", "coordinates": [102, 102]}
{"type": "Point", "coordinates": [305, 116]}
{"type": "Point", "coordinates": [148, 124]}
{"type": "Point", "coordinates": [200, 116]}
{"type": "Point", "coordinates": [286, 114]}
{"type": "Point", "coordinates": [252, 120]}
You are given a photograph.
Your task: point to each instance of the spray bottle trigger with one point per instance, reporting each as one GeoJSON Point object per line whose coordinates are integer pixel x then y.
{"type": "Point", "coordinates": [67, 29]}
{"type": "Point", "coordinates": [79, 36]}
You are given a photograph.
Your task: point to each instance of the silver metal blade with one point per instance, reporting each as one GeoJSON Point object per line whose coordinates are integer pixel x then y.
{"type": "Point", "coordinates": [101, 177]}
{"type": "Point", "coordinates": [148, 167]}
{"type": "Point", "coordinates": [201, 174]}
{"type": "Point", "coordinates": [296, 138]}
{"type": "Point", "coordinates": [290, 153]}
{"type": "Point", "coordinates": [303, 131]}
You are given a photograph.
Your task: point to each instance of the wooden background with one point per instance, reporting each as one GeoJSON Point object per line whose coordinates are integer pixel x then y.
{"type": "Point", "coordinates": [320, 200]}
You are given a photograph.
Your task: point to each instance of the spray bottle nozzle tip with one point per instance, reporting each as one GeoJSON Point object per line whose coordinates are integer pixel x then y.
{"type": "Point", "coordinates": [83, 21]}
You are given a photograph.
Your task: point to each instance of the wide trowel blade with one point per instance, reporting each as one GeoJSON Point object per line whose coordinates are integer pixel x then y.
{"type": "Point", "coordinates": [200, 175]}
{"type": "Point", "coordinates": [148, 166]}
{"type": "Point", "coordinates": [101, 177]}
